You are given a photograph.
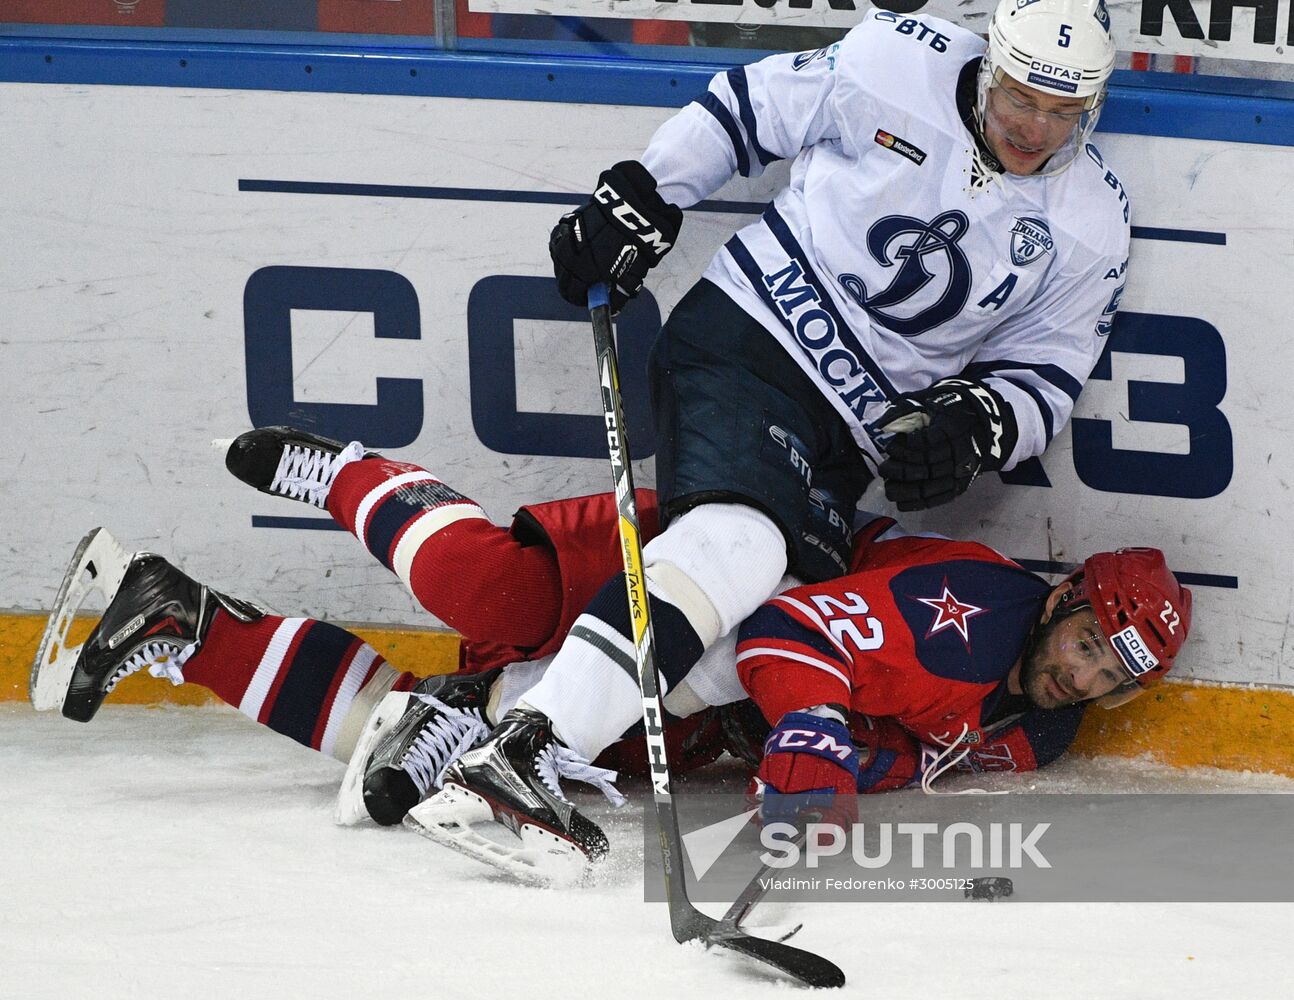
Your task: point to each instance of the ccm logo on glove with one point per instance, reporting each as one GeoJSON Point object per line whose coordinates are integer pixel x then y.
{"type": "Point", "coordinates": [632, 221]}
{"type": "Point", "coordinates": [810, 739]}
{"type": "Point", "coordinates": [617, 236]}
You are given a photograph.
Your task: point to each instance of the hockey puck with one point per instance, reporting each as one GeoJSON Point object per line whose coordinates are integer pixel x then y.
{"type": "Point", "coordinates": [990, 888]}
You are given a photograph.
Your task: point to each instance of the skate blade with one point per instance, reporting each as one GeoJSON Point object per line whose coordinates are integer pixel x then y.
{"type": "Point", "coordinates": [350, 808]}
{"type": "Point", "coordinates": [98, 564]}
{"type": "Point", "coordinates": [542, 858]}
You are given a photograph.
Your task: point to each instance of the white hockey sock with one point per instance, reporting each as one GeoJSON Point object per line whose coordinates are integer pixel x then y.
{"type": "Point", "coordinates": [587, 693]}
{"type": "Point", "coordinates": [712, 568]}
{"type": "Point", "coordinates": [513, 684]}
{"type": "Point", "coordinates": [361, 707]}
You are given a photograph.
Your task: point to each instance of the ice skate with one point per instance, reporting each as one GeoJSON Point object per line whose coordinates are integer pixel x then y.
{"type": "Point", "coordinates": [511, 781]}
{"type": "Point", "coordinates": [156, 618]}
{"type": "Point", "coordinates": [286, 462]}
{"type": "Point", "coordinates": [409, 742]}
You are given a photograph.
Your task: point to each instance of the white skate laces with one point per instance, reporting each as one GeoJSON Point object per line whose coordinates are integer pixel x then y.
{"type": "Point", "coordinates": [307, 474]}
{"type": "Point", "coordinates": [162, 658]}
{"type": "Point", "coordinates": [944, 762]}
{"type": "Point", "coordinates": [556, 761]}
{"type": "Point", "coordinates": [441, 741]}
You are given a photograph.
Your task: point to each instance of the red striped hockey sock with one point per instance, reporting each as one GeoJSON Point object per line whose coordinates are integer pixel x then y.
{"type": "Point", "coordinates": [298, 676]}
{"type": "Point", "coordinates": [467, 571]}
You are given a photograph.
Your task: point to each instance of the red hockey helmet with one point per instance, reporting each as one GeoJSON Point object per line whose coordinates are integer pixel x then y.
{"type": "Point", "coordinates": [1142, 609]}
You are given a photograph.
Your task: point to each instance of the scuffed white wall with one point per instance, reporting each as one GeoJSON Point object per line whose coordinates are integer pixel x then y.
{"type": "Point", "coordinates": [128, 247]}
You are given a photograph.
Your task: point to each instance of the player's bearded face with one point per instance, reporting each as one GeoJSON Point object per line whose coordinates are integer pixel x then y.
{"type": "Point", "coordinates": [1068, 661]}
{"type": "Point", "coordinates": [1024, 127]}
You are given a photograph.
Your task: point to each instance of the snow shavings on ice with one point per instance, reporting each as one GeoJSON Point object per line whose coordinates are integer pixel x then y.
{"type": "Point", "coordinates": [188, 853]}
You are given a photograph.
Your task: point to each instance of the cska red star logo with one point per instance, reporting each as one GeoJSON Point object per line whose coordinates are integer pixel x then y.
{"type": "Point", "coordinates": [950, 613]}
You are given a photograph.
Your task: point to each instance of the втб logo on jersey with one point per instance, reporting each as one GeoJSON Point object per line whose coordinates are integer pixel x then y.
{"type": "Point", "coordinates": [908, 242]}
{"type": "Point", "coordinates": [1030, 240]}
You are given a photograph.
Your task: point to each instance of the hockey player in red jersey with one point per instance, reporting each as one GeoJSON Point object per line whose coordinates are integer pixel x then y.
{"type": "Point", "coordinates": [944, 639]}
{"type": "Point", "coordinates": [514, 594]}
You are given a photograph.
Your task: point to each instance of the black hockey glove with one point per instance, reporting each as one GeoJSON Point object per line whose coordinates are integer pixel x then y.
{"type": "Point", "coordinates": [943, 437]}
{"type": "Point", "coordinates": [616, 236]}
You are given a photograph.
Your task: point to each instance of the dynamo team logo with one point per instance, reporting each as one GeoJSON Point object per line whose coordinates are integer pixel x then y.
{"type": "Point", "coordinates": [930, 276]}
{"type": "Point", "coordinates": [1030, 240]}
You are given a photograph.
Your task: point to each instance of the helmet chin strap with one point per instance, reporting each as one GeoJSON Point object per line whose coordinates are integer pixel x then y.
{"type": "Point", "coordinates": [986, 168]}
{"type": "Point", "coordinates": [980, 132]}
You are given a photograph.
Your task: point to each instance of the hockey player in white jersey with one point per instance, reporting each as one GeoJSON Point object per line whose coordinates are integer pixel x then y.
{"type": "Point", "coordinates": [923, 301]}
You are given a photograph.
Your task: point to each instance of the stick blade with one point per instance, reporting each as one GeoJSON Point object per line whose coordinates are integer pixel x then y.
{"type": "Point", "coordinates": [802, 966]}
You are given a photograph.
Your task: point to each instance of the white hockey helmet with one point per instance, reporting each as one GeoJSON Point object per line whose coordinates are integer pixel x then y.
{"type": "Point", "coordinates": [1059, 47]}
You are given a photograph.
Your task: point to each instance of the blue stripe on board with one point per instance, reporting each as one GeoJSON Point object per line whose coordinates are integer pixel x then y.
{"type": "Point", "coordinates": [300, 523]}
{"type": "Point", "coordinates": [1179, 235]}
{"type": "Point", "coordinates": [285, 63]}
{"type": "Point", "coordinates": [562, 198]}
{"type": "Point", "coordinates": [1208, 580]}
{"type": "Point", "coordinates": [465, 194]}
{"type": "Point", "coordinates": [1188, 579]}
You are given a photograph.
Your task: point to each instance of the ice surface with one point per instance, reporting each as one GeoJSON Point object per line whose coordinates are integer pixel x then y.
{"type": "Point", "coordinates": [186, 853]}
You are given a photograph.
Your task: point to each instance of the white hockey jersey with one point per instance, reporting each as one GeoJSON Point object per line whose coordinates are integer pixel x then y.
{"type": "Point", "coordinates": [886, 264]}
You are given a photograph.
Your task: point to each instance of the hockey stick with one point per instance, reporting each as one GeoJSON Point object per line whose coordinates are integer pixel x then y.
{"type": "Point", "coordinates": [686, 921]}
{"type": "Point", "coordinates": [750, 897]}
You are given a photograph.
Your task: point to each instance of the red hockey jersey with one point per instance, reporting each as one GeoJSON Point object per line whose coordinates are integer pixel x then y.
{"type": "Point", "coordinates": [958, 615]}
{"type": "Point", "coordinates": [917, 641]}
{"type": "Point", "coordinates": [924, 632]}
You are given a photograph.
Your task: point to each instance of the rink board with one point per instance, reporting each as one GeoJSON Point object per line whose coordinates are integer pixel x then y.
{"type": "Point", "coordinates": [1179, 723]}
{"type": "Point", "coordinates": [193, 261]}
